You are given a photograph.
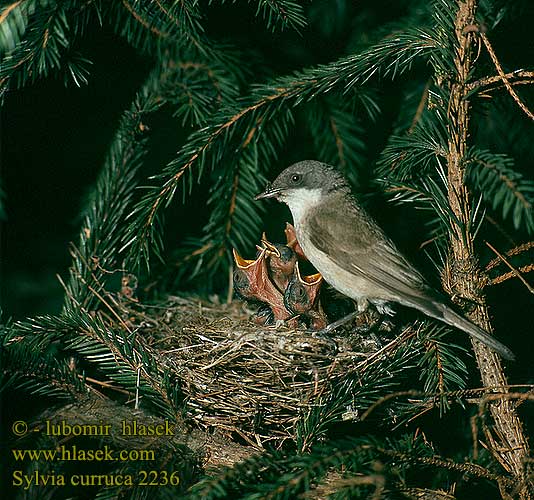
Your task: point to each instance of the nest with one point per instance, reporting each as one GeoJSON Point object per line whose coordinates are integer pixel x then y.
{"type": "Point", "coordinates": [248, 380]}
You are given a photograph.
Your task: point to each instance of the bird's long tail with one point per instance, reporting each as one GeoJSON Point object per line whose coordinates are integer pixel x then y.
{"type": "Point", "coordinates": [454, 319]}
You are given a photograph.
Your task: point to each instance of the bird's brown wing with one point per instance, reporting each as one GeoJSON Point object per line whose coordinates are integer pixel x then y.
{"type": "Point", "coordinates": [356, 244]}
{"type": "Point", "coordinates": [359, 247]}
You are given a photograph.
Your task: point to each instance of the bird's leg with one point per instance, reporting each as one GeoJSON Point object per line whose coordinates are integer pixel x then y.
{"type": "Point", "coordinates": [336, 324]}
{"type": "Point", "coordinates": [385, 313]}
{"type": "Point", "coordinates": [362, 305]}
{"type": "Point", "coordinates": [383, 309]}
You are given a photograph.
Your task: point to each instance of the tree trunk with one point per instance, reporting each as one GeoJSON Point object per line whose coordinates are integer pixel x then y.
{"type": "Point", "coordinates": [463, 276]}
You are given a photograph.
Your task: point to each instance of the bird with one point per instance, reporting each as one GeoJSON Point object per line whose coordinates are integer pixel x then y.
{"type": "Point", "coordinates": [281, 262]}
{"type": "Point", "coordinates": [301, 297]}
{"type": "Point", "coordinates": [292, 242]}
{"type": "Point", "coordinates": [252, 282]}
{"type": "Point", "coordinates": [351, 251]}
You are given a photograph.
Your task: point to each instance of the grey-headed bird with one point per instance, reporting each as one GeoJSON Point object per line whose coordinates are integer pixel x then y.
{"type": "Point", "coordinates": [351, 251]}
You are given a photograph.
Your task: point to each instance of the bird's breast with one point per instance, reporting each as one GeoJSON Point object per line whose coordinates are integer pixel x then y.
{"type": "Point", "coordinates": [342, 279]}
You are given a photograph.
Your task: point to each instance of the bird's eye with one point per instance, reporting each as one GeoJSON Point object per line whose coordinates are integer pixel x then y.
{"type": "Point", "coordinates": [296, 178]}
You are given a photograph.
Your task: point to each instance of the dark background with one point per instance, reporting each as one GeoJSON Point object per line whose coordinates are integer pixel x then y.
{"type": "Point", "coordinates": [54, 141]}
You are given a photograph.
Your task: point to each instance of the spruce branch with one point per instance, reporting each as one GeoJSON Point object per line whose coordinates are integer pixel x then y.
{"type": "Point", "coordinates": [143, 21]}
{"type": "Point", "coordinates": [420, 151]}
{"type": "Point", "coordinates": [36, 37]}
{"type": "Point", "coordinates": [177, 27]}
{"type": "Point", "coordinates": [517, 250]}
{"type": "Point", "coordinates": [512, 274]}
{"type": "Point", "coordinates": [493, 175]}
{"type": "Point", "coordinates": [442, 369]}
{"type": "Point", "coordinates": [369, 465]}
{"type": "Point", "coordinates": [14, 21]}
{"type": "Point", "coordinates": [514, 271]}
{"type": "Point", "coordinates": [517, 77]}
{"type": "Point", "coordinates": [234, 222]}
{"type": "Point", "coordinates": [123, 357]}
{"type": "Point", "coordinates": [235, 219]}
{"type": "Point", "coordinates": [161, 25]}
{"type": "Point", "coordinates": [96, 256]}
{"type": "Point", "coordinates": [37, 354]}
{"type": "Point", "coordinates": [281, 14]}
{"type": "Point", "coordinates": [427, 161]}
{"type": "Point", "coordinates": [357, 391]}
{"type": "Point", "coordinates": [462, 270]}
{"type": "Point", "coordinates": [30, 361]}
{"type": "Point", "coordinates": [209, 146]}
{"type": "Point", "coordinates": [427, 194]}
{"type": "Point", "coordinates": [196, 89]}
{"type": "Point", "coordinates": [392, 368]}
{"type": "Point", "coordinates": [37, 40]}
{"type": "Point", "coordinates": [342, 141]}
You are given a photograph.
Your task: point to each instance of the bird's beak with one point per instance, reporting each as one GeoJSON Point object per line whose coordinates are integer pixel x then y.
{"type": "Point", "coordinates": [269, 192]}
{"type": "Point", "coordinates": [311, 283]}
{"type": "Point", "coordinates": [245, 264]}
{"type": "Point", "coordinates": [311, 280]}
{"type": "Point", "coordinates": [271, 249]}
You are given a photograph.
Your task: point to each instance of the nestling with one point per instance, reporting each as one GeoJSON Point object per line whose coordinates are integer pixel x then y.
{"type": "Point", "coordinates": [252, 281]}
{"type": "Point", "coordinates": [351, 251]}
{"type": "Point", "coordinates": [282, 260]}
{"type": "Point", "coordinates": [301, 297]}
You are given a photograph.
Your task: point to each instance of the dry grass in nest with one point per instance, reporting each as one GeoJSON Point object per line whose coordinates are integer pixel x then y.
{"type": "Point", "coordinates": [241, 378]}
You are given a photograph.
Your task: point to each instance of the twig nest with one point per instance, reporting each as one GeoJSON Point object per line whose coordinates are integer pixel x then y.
{"type": "Point", "coordinates": [250, 381]}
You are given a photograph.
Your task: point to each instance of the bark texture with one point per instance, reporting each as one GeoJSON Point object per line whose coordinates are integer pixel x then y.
{"type": "Point", "coordinates": [463, 277]}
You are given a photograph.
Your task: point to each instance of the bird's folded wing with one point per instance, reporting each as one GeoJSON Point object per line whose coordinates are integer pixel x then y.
{"type": "Point", "coordinates": [364, 250]}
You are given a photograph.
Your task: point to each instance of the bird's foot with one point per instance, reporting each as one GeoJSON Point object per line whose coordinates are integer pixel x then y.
{"type": "Point", "coordinates": [340, 322]}
{"type": "Point", "coordinates": [384, 309]}
{"type": "Point", "coordinates": [325, 337]}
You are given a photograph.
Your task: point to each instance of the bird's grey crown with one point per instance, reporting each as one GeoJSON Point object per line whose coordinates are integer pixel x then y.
{"type": "Point", "coordinates": [310, 174]}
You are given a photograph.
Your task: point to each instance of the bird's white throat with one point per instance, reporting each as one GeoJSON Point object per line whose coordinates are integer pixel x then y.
{"type": "Point", "coordinates": [300, 201]}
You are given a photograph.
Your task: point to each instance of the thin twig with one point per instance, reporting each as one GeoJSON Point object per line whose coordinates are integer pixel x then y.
{"type": "Point", "coordinates": [387, 398]}
{"type": "Point", "coordinates": [8, 9]}
{"type": "Point", "coordinates": [107, 385]}
{"type": "Point", "coordinates": [504, 78]}
{"type": "Point", "coordinates": [230, 293]}
{"type": "Point", "coordinates": [510, 274]}
{"type": "Point", "coordinates": [421, 107]}
{"type": "Point", "coordinates": [512, 268]}
{"type": "Point", "coordinates": [504, 233]}
{"type": "Point", "coordinates": [339, 142]}
{"type": "Point", "coordinates": [143, 21]}
{"type": "Point", "coordinates": [514, 251]}
{"type": "Point", "coordinates": [490, 80]}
